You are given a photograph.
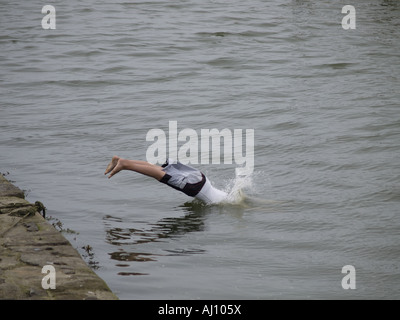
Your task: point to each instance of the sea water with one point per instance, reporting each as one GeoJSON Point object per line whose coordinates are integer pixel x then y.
{"type": "Point", "coordinates": [323, 103]}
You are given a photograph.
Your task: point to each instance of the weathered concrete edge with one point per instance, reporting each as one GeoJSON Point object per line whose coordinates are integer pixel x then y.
{"type": "Point", "coordinates": [28, 242]}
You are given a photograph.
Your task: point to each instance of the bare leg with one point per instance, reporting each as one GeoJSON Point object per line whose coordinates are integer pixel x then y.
{"type": "Point", "coordinates": [114, 162]}
{"type": "Point", "coordinates": [118, 164]}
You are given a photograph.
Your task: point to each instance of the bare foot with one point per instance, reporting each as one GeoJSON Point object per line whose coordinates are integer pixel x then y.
{"type": "Point", "coordinates": [112, 164]}
{"type": "Point", "coordinates": [117, 168]}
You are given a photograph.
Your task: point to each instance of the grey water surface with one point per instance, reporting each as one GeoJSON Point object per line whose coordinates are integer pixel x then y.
{"type": "Point", "coordinates": [323, 103]}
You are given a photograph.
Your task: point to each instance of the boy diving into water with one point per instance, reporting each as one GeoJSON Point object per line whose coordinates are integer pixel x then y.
{"type": "Point", "coordinates": [179, 176]}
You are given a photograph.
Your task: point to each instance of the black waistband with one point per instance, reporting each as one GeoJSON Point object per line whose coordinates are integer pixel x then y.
{"type": "Point", "coordinates": [190, 189]}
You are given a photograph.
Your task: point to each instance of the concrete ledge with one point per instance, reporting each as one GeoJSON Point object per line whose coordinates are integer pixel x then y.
{"type": "Point", "coordinates": [8, 189]}
{"type": "Point", "coordinates": [27, 243]}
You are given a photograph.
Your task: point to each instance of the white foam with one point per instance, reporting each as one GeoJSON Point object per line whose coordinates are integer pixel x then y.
{"type": "Point", "coordinates": [236, 187]}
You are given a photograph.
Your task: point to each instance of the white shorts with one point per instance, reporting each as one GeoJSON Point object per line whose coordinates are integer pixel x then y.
{"type": "Point", "coordinates": [209, 194]}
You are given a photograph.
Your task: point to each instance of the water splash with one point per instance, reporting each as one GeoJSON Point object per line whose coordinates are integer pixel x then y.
{"type": "Point", "coordinates": [242, 191]}
{"type": "Point", "coordinates": [237, 187]}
